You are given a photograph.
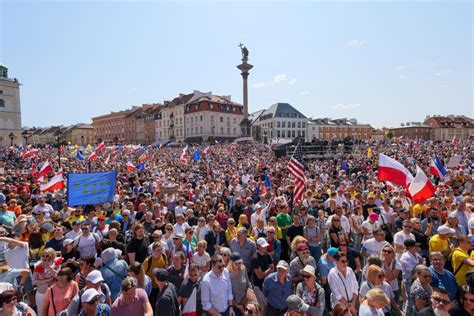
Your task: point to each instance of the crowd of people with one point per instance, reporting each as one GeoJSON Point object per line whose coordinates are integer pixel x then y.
{"type": "Point", "coordinates": [225, 235]}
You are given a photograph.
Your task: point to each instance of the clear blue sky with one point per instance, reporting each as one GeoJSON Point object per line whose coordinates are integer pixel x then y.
{"type": "Point", "coordinates": [378, 61]}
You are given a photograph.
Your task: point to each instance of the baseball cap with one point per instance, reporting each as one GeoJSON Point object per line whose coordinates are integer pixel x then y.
{"type": "Point", "coordinates": [236, 258]}
{"type": "Point", "coordinates": [411, 243]}
{"type": "Point", "coordinates": [95, 277]}
{"type": "Point", "coordinates": [76, 223]}
{"type": "Point", "coordinates": [101, 217]}
{"type": "Point", "coordinates": [89, 295]}
{"type": "Point", "coordinates": [332, 251]}
{"type": "Point", "coordinates": [67, 241]}
{"type": "Point", "coordinates": [161, 274]}
{"type": "Point", "coordinates": [282, 264]}
{"type": "Point", "coordinates": [178, 236]}
{"type": "Point", "coordinates": [374, 216]}
{"type": "Point", "coordinates": [262, 242]}
{"type": "Point", "coordinates": [302, 246]}
{"type": "Point", "coordinates": [443, 230]}
{"type": "Point", "coordinates": [295, 303]}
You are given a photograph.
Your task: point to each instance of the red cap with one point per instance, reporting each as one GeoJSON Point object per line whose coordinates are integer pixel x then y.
{"type": "Point", "coordinates": [302, 246]}
{"type": "Point", "coordinates": [101, 217]}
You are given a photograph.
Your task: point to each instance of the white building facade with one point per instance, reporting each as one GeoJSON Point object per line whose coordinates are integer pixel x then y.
{"type": "Point", "coordinates": [10, 110]}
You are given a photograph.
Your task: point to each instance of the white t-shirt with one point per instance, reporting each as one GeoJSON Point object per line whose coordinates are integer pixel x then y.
{"type": "Point", "coordinates": [17, 257]}
{"type": "Point", "coordinates": [255, 216]}
{"type": "Point", "coordinates": [46, 208]}
{"type": "Point", "coordinates": [179, 210]}
{"type": "Point", "coordinates": [201, 261]}
{"type": "Point", "coordinates": [86, 245]}
{"type": "Point", "coordinates": [179, 229]}
{"type": "Point", "coordinates": [399, 239]}
{"type": "Point", "coordinates": [373, 247]}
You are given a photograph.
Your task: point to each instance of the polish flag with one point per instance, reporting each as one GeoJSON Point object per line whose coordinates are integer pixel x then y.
{"type": "Point", "coordinates": [421, 187]}
{"type": "Point", "coordinates": [184, 155]}
{"type": "Point", "coordinates": [454, 140]}
{"type": "Point", "coordinates": [437, 169]}
{"type": "Point", "coordinates": [232, 149]}
{"type": "Point", "coordinates": [100, 147]}
{"type": "Point", "coordinates": [33, 171]}
{"type": "Point", "coordinates": [190, 308]}
{"type": "Point", "coordinates": [107, 160]}
{"type": "Point", "coordinates": [56, 183]}
{"type": "Point", "coordinates": [130, 166]}
{"type": "Point", "coordinates": [30, 153]}
{"type": "Point", "coordinates": [45, 169]}
{"type": "Point", "coordinates": [391, 170]}
{"type": "Point", "coordinates": [206, 150]}
{"type": "Point", "coordinates": [92, 156]}
{"type": "Point", "coordinates": [161, 146]}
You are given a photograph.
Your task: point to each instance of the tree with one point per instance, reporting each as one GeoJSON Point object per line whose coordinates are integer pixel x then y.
{"type": "Point", "coordinates": [389, 135]}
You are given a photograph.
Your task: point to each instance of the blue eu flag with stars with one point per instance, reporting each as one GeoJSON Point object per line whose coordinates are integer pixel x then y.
{"type": "Point", "coordinates": [91, 188]}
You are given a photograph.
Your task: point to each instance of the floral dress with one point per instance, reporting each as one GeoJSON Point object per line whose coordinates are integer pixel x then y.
{"type": "Point", "coordinates": [417, 291]}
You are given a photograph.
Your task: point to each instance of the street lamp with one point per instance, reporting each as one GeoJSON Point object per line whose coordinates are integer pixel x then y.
{"type": "Point", "coordinates": [12, 137]}
{"type": "Point", "coordinates": [82, 140]}
{"type": "Point", "coordinates": [57, 136]}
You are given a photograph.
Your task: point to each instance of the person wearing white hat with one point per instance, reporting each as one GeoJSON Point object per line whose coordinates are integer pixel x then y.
{"type": "Point", "coordinates": [261, 263]}
{"type": "Point", "coordinates": [440, 241]}
{"type": "Point", "coordinates": [276, 289]}
{"type": "Point", "coordinates": [311, 292]}
{"type": "Point", "coordinates": [90, 305]}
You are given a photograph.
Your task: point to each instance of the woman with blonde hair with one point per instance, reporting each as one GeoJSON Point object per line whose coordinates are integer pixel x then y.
{"type": "Point", "coordinates": [374, 303]}
{"type": "Point", "coordinates": [240, 282]}
{"type": "Point", "coordinates": [392, 269]}
{"type": "Point", "coordinates": [44, 275]}
{"type": "Point", "coordinates": [272, 221]}
{"type": "Point", "coordinates": [231, 231]}
{"type": "Point", "coordinates": [294, 245]}
{"type": "Point", "coordinates": [375, 278]}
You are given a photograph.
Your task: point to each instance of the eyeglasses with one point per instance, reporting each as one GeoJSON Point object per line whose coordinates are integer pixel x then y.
{"type": "Point", "coordinates": [45, 256]}
{"type": "Point", "coordinates": [307, 276]}
{"type": "Point", "coordinates": [219, 266]}
{"type": "Point", "coordinates": [336, 220]}
{"type": "Point", "coordinates": [269, 232]}
{"type": "Point", "coordinates": [440, 300]}
{"type": "Point", "coordinates": [156, 237]}
{"type": "Point", "coordinates": [224, 255]}
{"type": "Point", "coordinates": [387, 251]}
{"type": "Point", "coordinates": [169, 228]}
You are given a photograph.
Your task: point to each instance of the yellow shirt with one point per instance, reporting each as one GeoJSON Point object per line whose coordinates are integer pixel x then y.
{"type": "Point", "coordinates": [457, 258]}
{"type": "Point", "coordinates": [438, 245]}
{"type": "Point", "coordinates": [161, 262]}
{"type": "Point", "coordinates": [417, 209]}
{"type": "Point", "coordinates": [230, 234]}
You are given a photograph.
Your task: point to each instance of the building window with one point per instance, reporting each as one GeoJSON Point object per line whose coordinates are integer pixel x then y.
{"type": "Point", "coordinates": [228, 130]}
{"type": "Point", "coordinates": [200, 129]}
{"type": "Point", "coordinates": [303, 133]}
{"type": "Point", "coordinates": [293, 124]}
{"type": "Point", "coordinates": [2, 103]}
{"type": "Point", "coordinates": [222, 119]}
{"type": "Point", "coordinates": [299, 133]}
{"type": "Point", "coordinates": [283, 124]}
{"type": "Point", "coordinates": [293, 134]}
{"type": "Point", "coordinates": [299, 125]}
{"type": "Point", "coordinates": [235, 131]}
{"type": "Point", "coordinates": [222, 130]}
{"type": "Point", "coordinates": [278, 134]}
{"type": "Point", "coordinates": [211, 106]}
{"type": "Point", "coordinates": [278, 124]}
{"type": "Point", "coordinates": [302, 124]}
{"type": "Point", "coordinates": [200, 118]}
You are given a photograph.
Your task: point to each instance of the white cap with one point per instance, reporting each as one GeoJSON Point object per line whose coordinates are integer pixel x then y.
{"type": "Point", "coordinates": [262, 242]}
{"type": "Point", "coordinates": [443, 230]}
{"type": "Point", "coordinates": [95, 277]}
{"type": "Point", "coordinates": [88, 295]}
{"type": "Point", "coordinates": [67, 241]}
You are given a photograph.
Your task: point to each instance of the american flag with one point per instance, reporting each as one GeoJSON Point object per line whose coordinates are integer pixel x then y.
{"type": "Point", "coordinates": [296, 168]}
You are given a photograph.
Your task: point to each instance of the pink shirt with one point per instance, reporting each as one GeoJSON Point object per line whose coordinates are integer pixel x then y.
{"type": "Point", "coordinates": [136, 307]}
{"type": "Point", "coordinates": [62, 297]}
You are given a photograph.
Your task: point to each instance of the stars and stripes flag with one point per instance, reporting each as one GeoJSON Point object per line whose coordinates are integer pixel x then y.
{"type": "Point", "coordinates": [296, 168]}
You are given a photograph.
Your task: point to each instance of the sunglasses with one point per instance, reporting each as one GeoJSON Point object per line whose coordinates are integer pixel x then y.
{"type": "Point", "coordinates": [342, 244]}
{"type": "Point", "coordinates": [440, 300]}
{"type": "Point", "coordinates": [387, 251]}
{"type": "Point", "coordinates": [426, 276]}
{"type": "Point", "coordinates": [224, 255]}
{"type": "Point", "coordinates": [343, 261]}
{"type": "Point", "coordinates": [94, 301]}
{"type": "Point", "coordinates": [220, 266]}
{"type": "Point", "coordinates": [381, 276]}
{"type": "Point", "coordinates": [307, 276]}
{"type": "Point", "coordinates": [336, 220]}
{"type": "Point", "coordinates": [12, 299]}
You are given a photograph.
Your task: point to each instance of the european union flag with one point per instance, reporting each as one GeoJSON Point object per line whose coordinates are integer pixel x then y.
{"type": "Point", "coordinates": [267, 180]}
{"type": "Point", "coordinates": [344, 166]}
{"type": "Point", "coordinates": [140, 166]}
{"type": "Point", "coordinates": [91, 188]}
{"type": "Point", "coordinates": [197, 155]}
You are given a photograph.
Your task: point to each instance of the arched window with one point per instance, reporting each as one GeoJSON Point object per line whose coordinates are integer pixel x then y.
{"type": "Point", "coordinates": [2, 103]}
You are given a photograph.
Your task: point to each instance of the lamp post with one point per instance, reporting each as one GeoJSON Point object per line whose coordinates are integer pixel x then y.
{"type": "Point", "coordinates": [57, 136]}
{"type": "Point", "coordinates": [12, 137]}
{"type": "Point", "coordinates": [82, 140]}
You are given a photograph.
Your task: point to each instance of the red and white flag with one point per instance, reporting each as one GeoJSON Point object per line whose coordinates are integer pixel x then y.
{"type": "Point", "coordinates": [190, 308]}
{"type": "Point", "coordinates": [391, 170]}
{"type": "Point", "coordinates": [130, 166]}
{"type": "Point", "coordinates": [45, 169]}
{"type": "Point", "coordinates": [56, 183]}
{"type": "Point", "coordinates": [30, 153]}
{"type": "Point", "coordinates": [454, 140]}
{"type": "Point", "coordinates": [232, 149]}
{"type": "Point", "coordinates": [100, 147]}
{"type": "Point", "coordinates": [92, 156]}
{"type": "Point", "coordinates": [421, 187]}
{"type": "Point", "coordinates": [207, 150]}
{"type": "Point", "coordinates": [183, 158]}
{"type": "Point", "coordinates": [107, 160]}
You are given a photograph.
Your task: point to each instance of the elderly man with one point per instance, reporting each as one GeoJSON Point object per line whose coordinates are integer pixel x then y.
{"type": "Point", "coordinates": [277, 288]}
{"type": "Point", "coordinates": [442, 277]}
{"type": "Point", "coordinates": [302, 259]}
{"type": "Point", "coordinates": [440, 241]}
{"type": "Point", "coordinates": [244, 246]}
{"type": "Point", "coordinates": [132, 300]}
{"type": "Point", "coordinates": [215, 239]}
{"type": "Point", "coordinates": [440, 304]}
{"type": "Point", "coordinates": [216, 289]}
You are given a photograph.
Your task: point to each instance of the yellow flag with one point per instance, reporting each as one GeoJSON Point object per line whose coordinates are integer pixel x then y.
{"type": "Point", "coordinates": [89, 147]}
{"type": "Point", "coordinates": [369, 153]}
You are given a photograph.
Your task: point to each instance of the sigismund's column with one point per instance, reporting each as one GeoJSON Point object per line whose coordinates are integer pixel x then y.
{"type": "Point", "coordinates": [245, 67]}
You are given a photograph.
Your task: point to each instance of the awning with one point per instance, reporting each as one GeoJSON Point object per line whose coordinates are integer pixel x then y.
{"type": "Point", "coordinates": [197, 139]}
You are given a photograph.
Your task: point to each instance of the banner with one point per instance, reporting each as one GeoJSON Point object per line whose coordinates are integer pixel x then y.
{"type": "Point", "coordinates": [91, 188]}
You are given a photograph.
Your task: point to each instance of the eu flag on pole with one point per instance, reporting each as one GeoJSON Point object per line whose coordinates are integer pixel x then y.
{"type": "Point", "coordinates": [267, 180]}
{"type": "Point", "coordinates": [197, 155]}
{"type": "Point", "coordinates": [91, 188]}
{"type": "Point", "coordinates": [344, 166]}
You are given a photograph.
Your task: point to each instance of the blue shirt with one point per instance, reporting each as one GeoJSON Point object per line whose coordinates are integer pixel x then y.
{"type": "Point", "coordinates": [275, 292]}
{"type": "Point", "coordinates": [7, 218]}
{"type": "Point", "coordinates": [446, 281]}
{"type": "Point", "coordinates": [324, 266]}
{"type": "Point", "coordinates": [113, 273]}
